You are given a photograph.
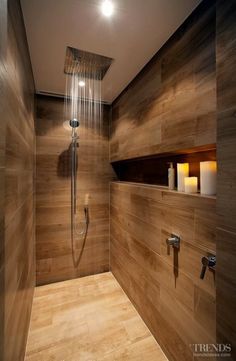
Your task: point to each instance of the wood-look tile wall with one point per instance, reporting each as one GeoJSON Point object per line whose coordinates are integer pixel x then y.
{"type": "Point", "coordinates": [165, 286]}
{"type": "Point", "coordinates": [226, 152]}
{"type": "Point", "coordinates": [3, 36]}
{"type": "Point", "coordinates": [17, 144]}
{"type": "Point", "coordinates": [171, 105]}
{"type": "Point", "coordinates": [53, 197]}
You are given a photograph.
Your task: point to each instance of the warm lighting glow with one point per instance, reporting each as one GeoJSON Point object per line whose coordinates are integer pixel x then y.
{"type": "Point", "coordinates": [86, 199]}
{"type": "Point", "coordinates": [81, 83]}
{"type": "Point", "coordinates": [208, 172]}
{"type": "Point", "coordinates": [182, 172]}
{"type": "Point", "coordinates": [190, 184]}
{"type": "Point", "coordinates": [66, 125]}
{"type": "Point", "coordinates": [107, 8]}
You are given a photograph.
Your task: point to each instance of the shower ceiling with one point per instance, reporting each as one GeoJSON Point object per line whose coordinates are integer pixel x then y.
{"type": "Point", "coordinates": [131, 36]}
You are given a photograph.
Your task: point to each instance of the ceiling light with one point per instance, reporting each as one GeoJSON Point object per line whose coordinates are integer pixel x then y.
{"type": "Point", "coordinates": [107, 8]}
{"type": "Point", "coordinates": [81, 83]}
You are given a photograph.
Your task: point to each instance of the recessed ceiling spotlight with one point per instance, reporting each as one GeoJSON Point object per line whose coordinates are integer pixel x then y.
{"type": "Point", "coordinates": [81, 83]}
{"type": "Point", "coordinates": [107, 8]}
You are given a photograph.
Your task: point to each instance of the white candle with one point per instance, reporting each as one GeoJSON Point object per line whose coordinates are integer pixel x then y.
{"type": "Point", "coordinates": [182, 172]}
{"type": "Point", "coordinates": [190, 184]}
{"type": "Point", "coordinates": [208, 177]}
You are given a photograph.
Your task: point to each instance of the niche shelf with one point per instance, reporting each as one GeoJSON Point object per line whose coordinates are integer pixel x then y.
{"type": "Point", "coordinates": [153, 170]}
{"type": "Point", "coordinates": [166, 189]}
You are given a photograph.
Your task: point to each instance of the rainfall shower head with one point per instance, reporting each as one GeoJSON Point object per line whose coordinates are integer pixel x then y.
{"type": "Point", "coordinates": [85, 63]}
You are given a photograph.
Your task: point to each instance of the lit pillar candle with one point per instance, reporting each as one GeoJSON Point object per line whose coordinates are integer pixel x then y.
{"type": "Point", "coordinates": [190, 184]}
{"type": "Point", "coordinates": [208, 177]}
{"type": "Point", "coordinates": [182, 172]}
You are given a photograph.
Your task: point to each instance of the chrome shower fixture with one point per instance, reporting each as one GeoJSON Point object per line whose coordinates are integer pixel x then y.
{"type": "Point", "coordinates": [84, 73]}
{"type": "Point", "coordinates": [74, 123]}
{"type": "Point", "coordinates": [89, 65]}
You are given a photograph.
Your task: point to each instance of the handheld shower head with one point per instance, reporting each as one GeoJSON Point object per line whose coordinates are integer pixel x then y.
{"type": "Point", "coordinates": [74, 123]}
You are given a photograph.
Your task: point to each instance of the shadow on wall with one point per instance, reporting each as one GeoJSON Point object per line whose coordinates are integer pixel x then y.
{"type": "Point", "coordinates": [64, 163]}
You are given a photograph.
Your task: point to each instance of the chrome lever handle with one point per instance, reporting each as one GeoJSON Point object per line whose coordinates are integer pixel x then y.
{"type": "Point", "coordinates": [203, 271]}
{"type": "Point", "coordinates": [173, 241]}
{"type": "Point", "coordinates": [207, 262]}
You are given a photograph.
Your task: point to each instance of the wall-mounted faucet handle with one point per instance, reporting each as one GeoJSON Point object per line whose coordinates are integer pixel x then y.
{"type": "Point", "coordinates": [204, 267]}
{"type": "Point", "coordinates": [173, 241]}
{"type": "Point", "coordinates": [207, 262]}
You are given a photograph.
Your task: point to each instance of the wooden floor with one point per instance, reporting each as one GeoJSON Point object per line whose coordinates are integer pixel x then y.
{"type": "Point", "coordinates": [88, 319]}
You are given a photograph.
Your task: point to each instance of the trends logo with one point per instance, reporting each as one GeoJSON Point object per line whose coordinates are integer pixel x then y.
{"type": "Point", "coordinates": [211, 349]}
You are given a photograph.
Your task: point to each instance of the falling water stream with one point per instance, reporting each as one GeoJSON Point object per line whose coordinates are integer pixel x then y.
{"type": "Point", "coordinates": [83, 111]}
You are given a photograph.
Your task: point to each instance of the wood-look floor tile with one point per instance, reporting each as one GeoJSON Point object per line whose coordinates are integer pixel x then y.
{"type": "Point", "coordinates": [88, 319]}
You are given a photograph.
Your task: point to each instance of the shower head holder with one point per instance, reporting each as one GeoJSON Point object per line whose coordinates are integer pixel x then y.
{"type": "Point", "coordinates": [74, 123]}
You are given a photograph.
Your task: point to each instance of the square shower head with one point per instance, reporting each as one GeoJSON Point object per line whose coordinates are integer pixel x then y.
{"type": "Point", "coordinates": [85, 63]}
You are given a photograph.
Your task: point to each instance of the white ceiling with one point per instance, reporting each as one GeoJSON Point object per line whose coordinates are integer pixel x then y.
{"type": "Point", "coordinates": [137, 29]}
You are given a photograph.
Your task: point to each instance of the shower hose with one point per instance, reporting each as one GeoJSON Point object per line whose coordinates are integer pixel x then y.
{"type": "Point", "coordinates": [74, 221]}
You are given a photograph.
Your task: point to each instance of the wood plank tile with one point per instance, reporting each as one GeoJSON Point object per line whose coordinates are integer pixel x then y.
{"type": "Point", "coordinates": [17, 218]}
{"type": "Point", "coordinates": [53, 198]}
{"type": "Point", "coordinates": [171, 104]}
{"type": "Point", "coordinates": [88, 319]}
{"type": "Point", "coordinates": [226, 185]}
{"type": "Point", "coordinates": [165, 285]}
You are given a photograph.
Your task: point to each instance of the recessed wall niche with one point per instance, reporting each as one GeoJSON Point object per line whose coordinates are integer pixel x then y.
{"type": "Point", "coordinates": [154, 169]}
